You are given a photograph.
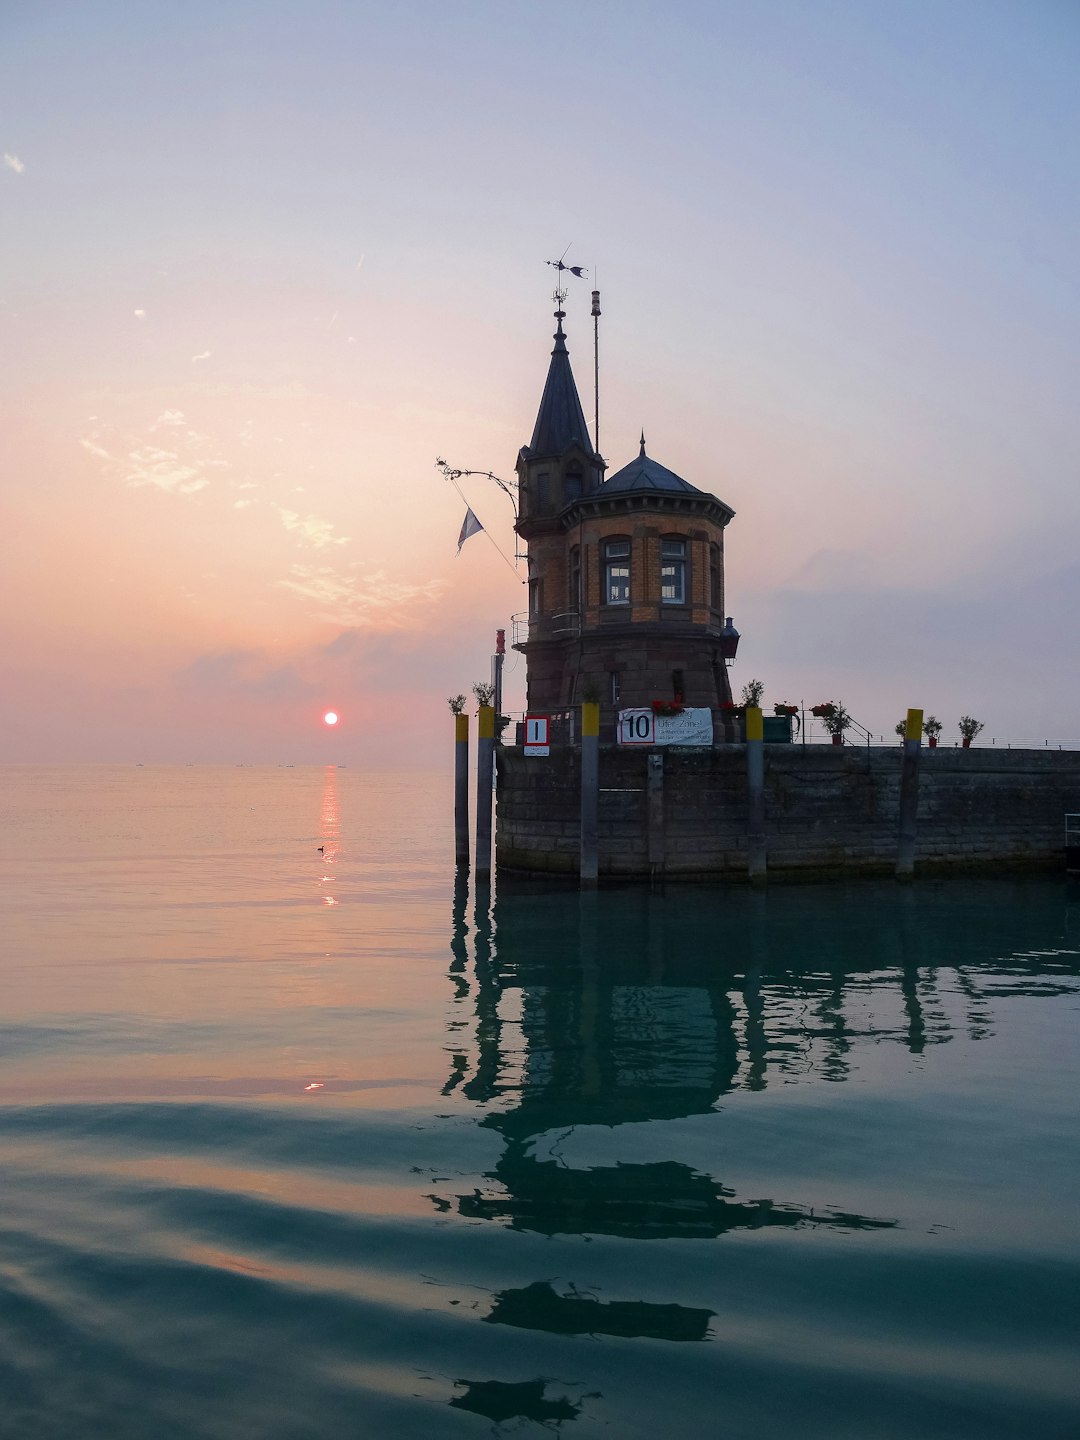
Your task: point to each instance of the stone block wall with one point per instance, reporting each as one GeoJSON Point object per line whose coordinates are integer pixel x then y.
{"type": "Point", "coordinates": [829, 810]}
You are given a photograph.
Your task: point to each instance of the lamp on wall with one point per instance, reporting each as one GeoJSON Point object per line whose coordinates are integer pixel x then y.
{"type": "Point", "coordinates": [729, 640]}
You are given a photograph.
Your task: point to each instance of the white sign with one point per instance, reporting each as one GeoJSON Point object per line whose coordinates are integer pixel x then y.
{"type": "Point", "coordinates": [642, 727]}
{"type": "Point", "coordinates": [537, 730]}
{"type": "Point", "coordinates": [637, 727]}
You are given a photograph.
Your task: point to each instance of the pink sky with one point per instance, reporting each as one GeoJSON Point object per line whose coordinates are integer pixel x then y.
{"type": "Point", "coordinates": [260, 271]}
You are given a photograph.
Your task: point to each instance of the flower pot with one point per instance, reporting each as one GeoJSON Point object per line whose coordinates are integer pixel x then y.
{"type": "Point", "coordinates": [965, 743]}
{"type": "Point", "coordinates": [932, 741]}
{"type": "Point", "coordinates": [838, 739]}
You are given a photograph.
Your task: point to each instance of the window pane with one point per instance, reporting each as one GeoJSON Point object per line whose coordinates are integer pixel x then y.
{"type": "Point", "coordinates": [617, 583]}
{"type": "Point", "coordinates": [617, 549]}
{"type": "Point", "coordinates": [673, 582]}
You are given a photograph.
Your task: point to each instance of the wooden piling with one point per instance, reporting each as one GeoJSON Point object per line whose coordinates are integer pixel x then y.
{"type": "Point", "coordinates": [461, 789]}
{"type": "Point", "coordinates": [909, 795]}
{"type": "Point", "coordinates": [654, 809]}
{"type": "Point", "coordinates": [590, 794]}
{"type": "Point", "coordinates": [755, 782]}
{"type": "Point", "coordinates": [485, 762]}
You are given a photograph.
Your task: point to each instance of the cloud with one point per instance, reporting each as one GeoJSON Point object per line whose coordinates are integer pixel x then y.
{"type": "Point", "coordinates": [204, 356]}
{"type": "Point", "coordinates": [182, 465]}
{"type": "Point", "coordinates": [163, 469]}
{"type": "Point", "coordinates": [249, 673]}
{"type": "Point", "coordinates": [354, 600]}
{"type": "Point", "coordinates": [310, 529]}
{"type": "Point", "coordinates": [360, 662]}
{"type": "Point", "coordinates": [140, 314]}
{"type": "Point", "coordinates": [989, 646]}
{"type": "Point", "coordinates": [14, 163]}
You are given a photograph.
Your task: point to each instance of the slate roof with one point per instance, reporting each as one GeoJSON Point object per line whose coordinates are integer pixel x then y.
{"type": "Point", "coordinates": [560, 420]}
{"type": "Point", "coordinates": [646, 474]}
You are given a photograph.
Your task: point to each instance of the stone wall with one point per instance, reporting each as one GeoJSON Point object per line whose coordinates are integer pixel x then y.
{"type": "Point", "coordinates": [829, 810]}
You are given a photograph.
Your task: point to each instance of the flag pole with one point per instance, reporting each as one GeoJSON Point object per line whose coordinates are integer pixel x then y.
{"type": "Point", "coordinates": [596, 365]}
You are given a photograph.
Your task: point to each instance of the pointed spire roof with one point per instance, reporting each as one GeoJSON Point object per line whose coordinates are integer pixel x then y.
{"type": "Point", "coordinates": [560, 421]}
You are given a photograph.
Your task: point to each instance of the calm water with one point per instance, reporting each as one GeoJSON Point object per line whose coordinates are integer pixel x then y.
{"type": "Point", "coordinates": [301, 1144]}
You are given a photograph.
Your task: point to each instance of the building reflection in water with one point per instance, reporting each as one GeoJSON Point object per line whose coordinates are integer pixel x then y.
{"type": "Point", "coordinates": [618, 1008]}
{"type": "Point", "coordinates": [499, 1401]}
{"type": "Point", "coordinates": [623, 1007]}
{"type": "Point", "coordinates": [539, 1307]}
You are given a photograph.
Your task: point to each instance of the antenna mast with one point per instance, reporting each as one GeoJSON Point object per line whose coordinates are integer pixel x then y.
{"type": "Point", "coordinates": [596, 368]}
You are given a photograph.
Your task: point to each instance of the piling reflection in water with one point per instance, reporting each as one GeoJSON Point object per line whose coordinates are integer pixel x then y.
{"type": "Point", "coordinates": [638, 1005]}
{"type": "Point", "coordinates": [623, 1008]}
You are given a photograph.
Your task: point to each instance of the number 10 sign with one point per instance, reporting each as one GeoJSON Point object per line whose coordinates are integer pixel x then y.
{"type": "Point", "coordinates": [637, 727]}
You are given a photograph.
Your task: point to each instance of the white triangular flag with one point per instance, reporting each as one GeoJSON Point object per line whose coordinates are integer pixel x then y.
{"type": "Point", "coordinates": [469, 526]}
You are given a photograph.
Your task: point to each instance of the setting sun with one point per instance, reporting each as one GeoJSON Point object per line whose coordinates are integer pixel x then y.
{"type": "Point", "coordinates": [330, 718]}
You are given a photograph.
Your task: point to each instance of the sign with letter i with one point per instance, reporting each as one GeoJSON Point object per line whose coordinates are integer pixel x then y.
{"type": "Point", "coordinates": [537, 729]}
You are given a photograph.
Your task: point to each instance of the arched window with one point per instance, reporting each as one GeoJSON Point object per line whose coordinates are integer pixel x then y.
{"type": "Point", "coordinates": [673, 571]}
{"type": "Point", "coordinates": [572, 485]}
{"type": "Point", "coordinates": [616, 572]}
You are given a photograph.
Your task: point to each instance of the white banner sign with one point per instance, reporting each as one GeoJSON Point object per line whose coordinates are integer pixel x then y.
{"type": "Point", "coordinates": [642, 727]}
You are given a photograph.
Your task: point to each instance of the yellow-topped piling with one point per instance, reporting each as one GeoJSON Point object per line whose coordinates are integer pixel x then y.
{"type": "Point", "coordinates": [909, 795]}
{"type": "Point", "coordinates": [461, 789]}
{"type": "Point", "coordinates": [589, 864]}
{"type": "Point", "coordinates": [485, 774]}
{"type": "Point", "coordinates": [913, 725]}
{"type": "Point", "coordinates": [755, 794]}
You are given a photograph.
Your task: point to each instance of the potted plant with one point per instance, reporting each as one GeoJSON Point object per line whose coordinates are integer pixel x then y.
{"type": "Point", "coordinates": [932, 728]}
{"type": "Point", "coordinates": [752, 692]}
{"type": "Point", "coordinates": [969, 727]}
{"type": "Point", "coordinates": [901, 730]}
{"type": "Point", "coordinates": [484, 693]}
{"type": "Point", "coordinates": [456, 703]}
{"type": "Point", "coordinates": [834, 717]}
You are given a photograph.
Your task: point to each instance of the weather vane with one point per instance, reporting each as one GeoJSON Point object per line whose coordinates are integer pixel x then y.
{"type": "Point", "coordinates": [559, 293]}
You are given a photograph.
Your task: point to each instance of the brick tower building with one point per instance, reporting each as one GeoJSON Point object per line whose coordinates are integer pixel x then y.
{"type": "Point", "coordinates": [626, 575]}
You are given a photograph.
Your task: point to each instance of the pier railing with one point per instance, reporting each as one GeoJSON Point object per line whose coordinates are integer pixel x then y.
{"type": "Point", "coordinates": [565, 729]}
